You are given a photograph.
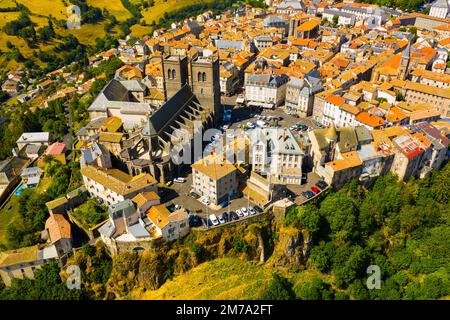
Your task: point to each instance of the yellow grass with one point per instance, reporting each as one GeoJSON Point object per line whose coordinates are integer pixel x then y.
{"type": "Point", "coordinates": [140, 31]}
{"type": "Point", "coordinates": [157, 11]}
{"type": "Point", "coordinates": [114, 7]}
{"type": "Point", "coordinates": [56, 8]}
{"type": "Point", "coordinates": [7, 4]}
{"type": "Point", "coordinates": [225, 278]}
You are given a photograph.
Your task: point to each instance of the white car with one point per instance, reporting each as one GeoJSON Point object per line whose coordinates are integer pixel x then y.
{"type": "Point", "coordinates": [252, 211]}
{"type": "Point", "coordinates": [239, 213]}
{"type": "Point", "coordinates": [205, 201]}
{"type": "Point", "coordinates": [213, 219]}
{"type": "Point", "coordinates": [221, 219]}
{"type": "Point", "coordinates": [177, 206]}
{"type": "Point", "coordinates": [179, 180]}
{"type": "Point", "coordinates": [244, 211]}
{"type": "Point", "coordinates": [261, 123]}
{"type": "Point", "coordinates": [250, 125]}
{"type": "Point", "coordinates": [230, 135]}
{"type": "Point", "coordinates": [225, 127]}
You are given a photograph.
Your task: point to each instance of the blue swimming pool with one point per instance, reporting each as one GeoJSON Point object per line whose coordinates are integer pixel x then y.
{"type": "Point", "coordinates": [19, 190]}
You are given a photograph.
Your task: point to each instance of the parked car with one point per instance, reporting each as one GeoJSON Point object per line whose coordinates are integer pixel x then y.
{"type": "Point", "coordinates": [258, 209]}
{"type": "Point", "coordinates": [205, 201]}
{"type": "Point", "coordinates": [251, 125]}
{"type": "Point", "coordinates": [308, 194]}
{"type": "Point", "coordinates": [233, 216]}
{"type": "Point", "coordinates": [226, 217]}
{"type": "Point", "coordinates": [244, 211]}
{"type": "Point", "coordinates": [252, 211]}
{"type": "Point", "coordinates": [214, 219]}
{"type": "Point", "coordinates": [221, 219]}
{"type": "Point", "coordinates": [195, 221]}
{"type": "Point", "coordinates": [179, 180]}
{"type": "Point", "coordinates": [194, 195]}
{"type": "Point", "coordinates": [322, 185]}
{"type": "Point", "coordinates": [315, 190]}
{"type": "Point", "coordinates": [239, 213]}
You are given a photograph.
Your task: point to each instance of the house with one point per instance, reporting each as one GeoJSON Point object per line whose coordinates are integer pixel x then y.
{"type": "Point", "coordinates": [408, 157]}
{"type": "Point", "coordinates": [145, 200]}
{"type": "Point", "coordinates": [125, 228]}
{"type": "Point", "coordinates": [112, 186]}
{"type": "Point", "coordinates": [290, 7]}
{"type": "Point", "coordinates": [59, 234]}
{"type": "Point", "coordinates": [168, 225]}
{"type": "Point", "coordinates": [276, 154]}
{"type": "Point", "coordinates": [32, 176]}
{"type": "Point", "coordinates": [22, 263]}
{"type": "Point", "coordinates": [344, 18]}
{"type": "Point", "coordinates": [214, 178]}
{"type": "Point", "coordinates": [266, 90]}
{"type": "Point", "coordinates": [440, 9]}
{"type": "Point", "coordinates": [300, 95]}
{"type": "Point", "coordinates": [55, 151]}
{"type": "Point", "coordinates": [38, 139]}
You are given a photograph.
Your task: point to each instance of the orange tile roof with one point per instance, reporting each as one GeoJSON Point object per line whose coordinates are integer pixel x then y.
{"type": "Point", "coordinates": [370, 119]}
{"type": "Point", "coordinates": [143, 197]}
{"type": "Point", "coordinates": [422, 139]}
{"type": "Point", "coordinates": [308, 25]}
{"type": "Point", "coordinates": [335, 100]}
{"type": "Point", "coordinates": [58, 227]}
{"type": "Point", "coordinates": [159, 215]}
{"type": "Point", "coordinates": [395, 114]}
{"type": "Point", "coordinates": [348, 160]}
{"type": "Point", "coordinates": [350, 109]}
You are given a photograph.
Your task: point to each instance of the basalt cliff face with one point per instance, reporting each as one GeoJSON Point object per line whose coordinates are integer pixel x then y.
{"type": "Point", "coordinates": [263, 242]}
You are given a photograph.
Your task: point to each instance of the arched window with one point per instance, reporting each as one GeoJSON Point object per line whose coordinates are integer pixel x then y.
{"type": "Point", "coordinates": [199, 76]}
{"type": "Point", "coordinates": [174, 74]}
{"type": "Point", "coordinates": [204, 77]}
{"type": "Point", "coordinates": [169, 74]}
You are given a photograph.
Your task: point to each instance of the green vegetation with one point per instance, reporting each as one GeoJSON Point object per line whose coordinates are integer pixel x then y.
{"type": "Point", "coordinates": [406, 5]}
{"type": "Point", "coordinates": [47, 285]}
{"type": "Point", "coordinates": [90, 213]}
{"type": "Point", "coordinates": [95, 265]}
{"type": "Point", "coordinates": [29, 212]}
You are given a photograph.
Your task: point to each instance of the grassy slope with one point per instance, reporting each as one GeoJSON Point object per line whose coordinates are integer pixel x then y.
{"type": "Point", "coordinates": [157, 11]}
{"type": "Point", "coordinates": [8, 214]}
{"type": "Point", "coordinates": [225, 278]}
{"type": "Point", "coordinates": [41, 9]}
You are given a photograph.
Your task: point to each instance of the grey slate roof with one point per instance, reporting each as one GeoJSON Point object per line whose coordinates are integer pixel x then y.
{"type": "Point", "coordinates": [168, 111]}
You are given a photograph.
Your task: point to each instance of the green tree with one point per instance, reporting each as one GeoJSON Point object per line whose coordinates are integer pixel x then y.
{"type": "Point", "coordinates": [279, 288]}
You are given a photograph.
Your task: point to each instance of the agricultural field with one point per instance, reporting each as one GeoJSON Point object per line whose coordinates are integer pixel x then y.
{"type": "Point", "coordinates": [114, 7]}
{"type": "Point", "coordinates": [46, 8]}
{"type": "Point", "coordinates": [7, 4]}
{"type": "Point", "coordinates": [161, 6]}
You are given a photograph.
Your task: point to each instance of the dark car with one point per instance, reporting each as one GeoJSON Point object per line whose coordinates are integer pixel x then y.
{"type": "Point", "coordinates": [226, 217]}
{"type": "Point", "coordinates": [233, 216]}
{"type": "Point", "coordinates": [322, 185]}
{"type": "Point", "coordinates": [194, 195]}
{"type": "Point", "coordinates": [195, 221]}
{"type": "Point", "coordinates": [258, 209]}
{"type": "Point", "coordinates": [308, 194]}
{"type": "Point", "coordinates": [315, 190]}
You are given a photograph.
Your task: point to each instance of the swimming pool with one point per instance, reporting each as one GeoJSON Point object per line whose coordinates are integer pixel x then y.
{"type": "Point", "coordinates": [18, 191]}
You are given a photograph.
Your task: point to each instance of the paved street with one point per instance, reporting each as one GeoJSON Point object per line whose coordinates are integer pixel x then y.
{"type": "Point", "coordinates": [179, 194]}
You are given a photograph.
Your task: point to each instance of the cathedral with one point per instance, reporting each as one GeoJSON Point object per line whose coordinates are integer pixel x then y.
{"type": "Point", "coordinates": [192, 92]}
